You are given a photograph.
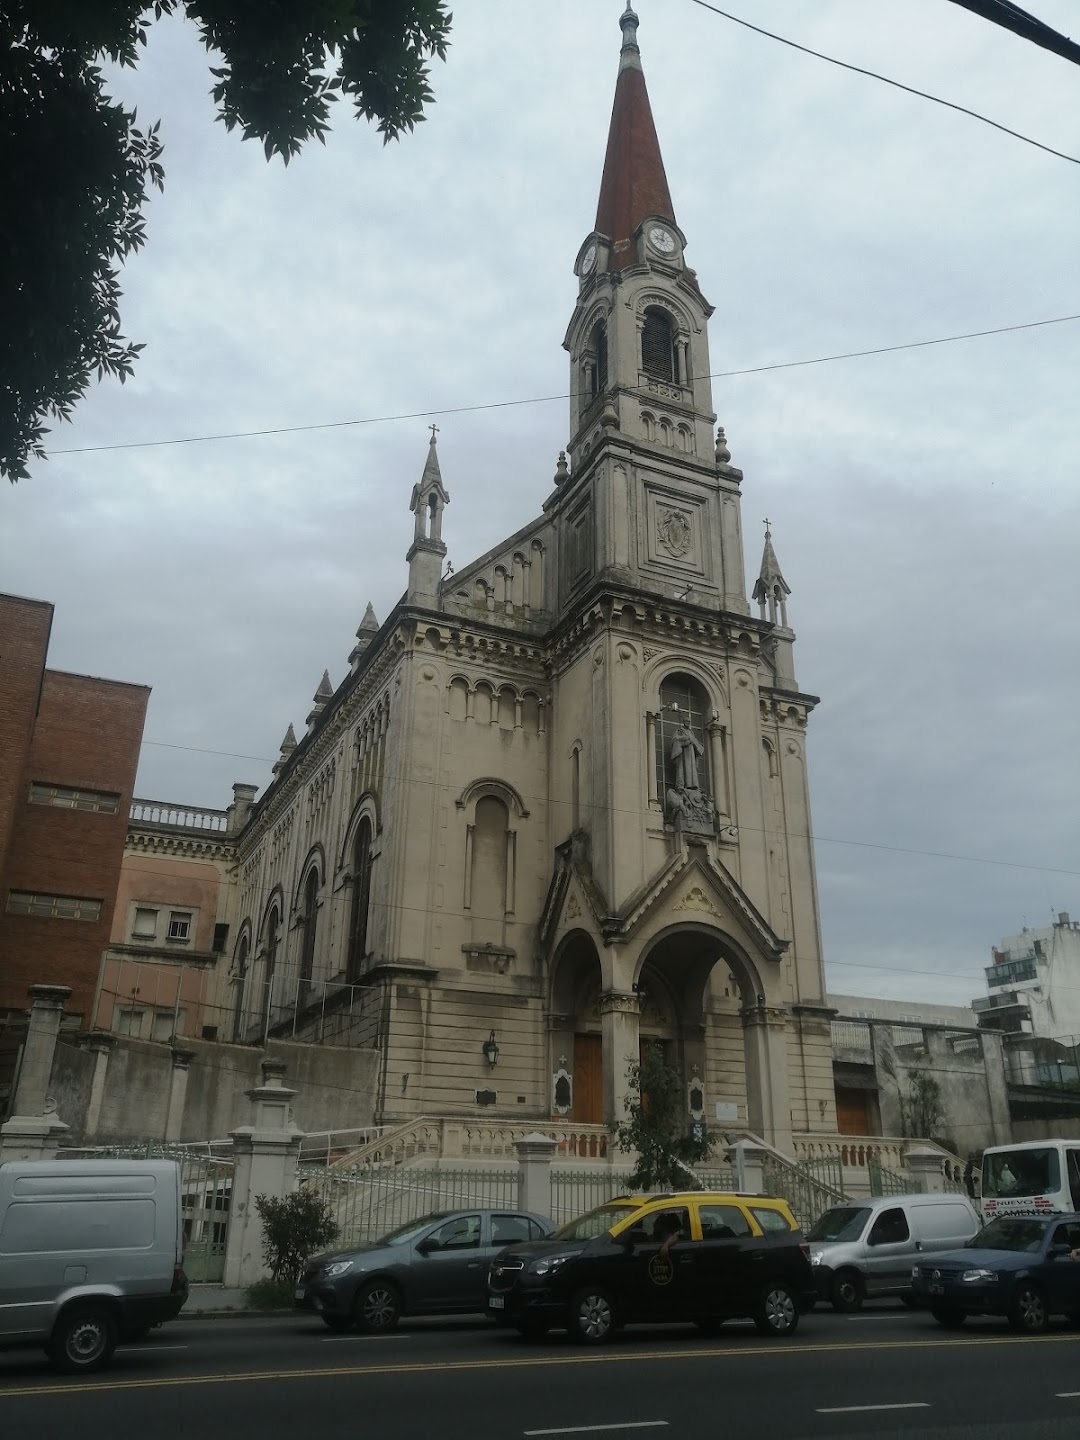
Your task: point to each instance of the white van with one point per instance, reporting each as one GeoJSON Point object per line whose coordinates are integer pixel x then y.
{"type": "Point", "coordinates": [91, 1252]}
{"type": "Point", "coordinates": [867, 1247]}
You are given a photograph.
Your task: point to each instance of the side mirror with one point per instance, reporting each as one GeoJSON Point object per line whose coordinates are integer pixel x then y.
{"type": "Point", "coordinates": [1059, 1252]}
{"type": "Point", "coordinates": [427, 1246]}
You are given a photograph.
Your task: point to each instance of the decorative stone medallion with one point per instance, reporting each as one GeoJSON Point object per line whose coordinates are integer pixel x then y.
{"type": "Point", "coordinates": [674, 530]}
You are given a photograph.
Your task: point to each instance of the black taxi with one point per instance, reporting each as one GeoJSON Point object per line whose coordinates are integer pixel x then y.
{"type": "Point", "coordinates": [694, 1256]}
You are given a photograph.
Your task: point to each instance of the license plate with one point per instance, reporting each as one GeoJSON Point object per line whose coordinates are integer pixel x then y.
{"type": "Point", "coordinates": [496, 1302]}
{"type": "Point", "coordinates": [936, 1289]}
{"type": "Point", "coordinates": [299, 1293]}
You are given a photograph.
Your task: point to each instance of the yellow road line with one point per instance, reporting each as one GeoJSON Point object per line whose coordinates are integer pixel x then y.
{"type": "Point", "coordinates": [528, 1362]}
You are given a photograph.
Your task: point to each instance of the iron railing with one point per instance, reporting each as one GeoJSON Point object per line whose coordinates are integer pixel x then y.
{"type": "Point", "coordinates": [368, 1201]}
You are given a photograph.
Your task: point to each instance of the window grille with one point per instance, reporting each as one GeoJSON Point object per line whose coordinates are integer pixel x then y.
{"type": "Point", "coordinates": [658, 347]}
{"type": "Point", "coordinates": [67, 798]}
{"type": "Point", "coordinates": [53, 907]}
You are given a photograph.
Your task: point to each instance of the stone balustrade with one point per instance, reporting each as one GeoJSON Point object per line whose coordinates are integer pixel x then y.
{"type": "Point", "coordinates": [452, 1138]}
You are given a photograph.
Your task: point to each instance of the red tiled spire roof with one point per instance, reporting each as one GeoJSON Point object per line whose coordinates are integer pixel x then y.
{"type": "Point", "coordinates": [634, 183]}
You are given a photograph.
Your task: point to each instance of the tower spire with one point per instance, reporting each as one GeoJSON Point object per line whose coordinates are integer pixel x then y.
{"type": "Point", "coordinates": [634, 184]}
{"type": "Point", "coordinates": [771, 589]}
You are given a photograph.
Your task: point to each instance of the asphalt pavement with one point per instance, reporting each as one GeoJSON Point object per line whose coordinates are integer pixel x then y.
{"type": "Point", "coordinates": [885, 1372]}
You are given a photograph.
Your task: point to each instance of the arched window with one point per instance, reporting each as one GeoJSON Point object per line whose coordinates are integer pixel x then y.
{"type": "Point", "coordinates": [361, 900]}
{"type": "Point", "coordinates": [682, 751]}
{"type": "Point", "coordinates": [307, 949]}
{"type": "Point", "coordinates": [658, 357]}
{"type": "Point", "coordinates": [241, 984]}
{"type": "Point", "coordinates": [598, 364]}
{"type": "Point", "coordinates": [273, 927]}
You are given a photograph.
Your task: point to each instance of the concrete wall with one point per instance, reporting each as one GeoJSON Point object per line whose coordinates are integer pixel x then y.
{"type": "Point", "coordinates": [972, 1084]}
{"type": "Point", "coordinates": [336, 1088]}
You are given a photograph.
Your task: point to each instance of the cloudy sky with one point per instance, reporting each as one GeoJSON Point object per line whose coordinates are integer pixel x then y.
{"type": "Point", "coordinates": [925, 504]}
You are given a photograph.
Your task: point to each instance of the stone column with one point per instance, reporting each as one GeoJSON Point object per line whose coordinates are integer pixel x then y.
{"type": "Point", "coordinates": [768, 1104]}
{"type": "Point", "coordinates": [535, 1153]}
{"type": "Point", "coordinates": [619, 1030]}
{"type": "Point", "coordinates": [174, 1118]}
{"type": "Point", "coordinates": [718, 766]}
{"type": "Point", "coordinates": [926, 1168]}
{"type": "Point", "coordinates": [650, 754]}
{"type": "Point", "coordinates": [265, 1153]}
{"type": "Point", "coordinates": [34, 1129]}
{"type": "Point", "coordinates": [100, 1044]}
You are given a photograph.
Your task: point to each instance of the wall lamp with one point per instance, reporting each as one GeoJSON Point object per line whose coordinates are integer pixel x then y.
{"type": "Point", "coordinates": [490, 1048]}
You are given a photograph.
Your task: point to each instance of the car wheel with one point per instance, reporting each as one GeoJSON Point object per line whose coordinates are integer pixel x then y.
{"type": "Point", "coordinates": [83, 1339]}
{"type": "Point", "coordinates": [847, 1291]}
{"type": "Point", "coordinates": [1027, 1310]}
{"type": "Point", "coordinates": [377, 1308]}
{"type": "Point", "coordinates": [776, 1311]}
{"type": "Point", "coordinates": [340, 1324]}
{"type": "Point", "coordinates": [951, 1319]}
{"type": "Point", "coordinates": [591, 1317]}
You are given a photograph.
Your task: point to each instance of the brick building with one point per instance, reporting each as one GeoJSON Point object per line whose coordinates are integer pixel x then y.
{"type": "Point", "coordinates": [69, 749]}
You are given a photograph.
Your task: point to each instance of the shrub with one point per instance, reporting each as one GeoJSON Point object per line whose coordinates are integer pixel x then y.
{"type": "Point", "coordinates": [294, 1227]}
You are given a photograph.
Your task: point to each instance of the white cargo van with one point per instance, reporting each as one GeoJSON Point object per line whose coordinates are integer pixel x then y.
{"type": "Point", "coordinates": [91, 1253]}
{"type": "Point", "coordinates": [867, 1247]}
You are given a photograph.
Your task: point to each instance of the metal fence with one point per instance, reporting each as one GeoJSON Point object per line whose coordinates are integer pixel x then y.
{"type": "Point", "coordinates": [367, 1201]}
{"type": "Point", "coordinates": [810, 1188]}
{"type": "Point", "coordinates": [206, 1182]}
{"type": "Point", "coordinates": [884, 1181]}
{"type": "Point", "coordinates": [575, 1190]}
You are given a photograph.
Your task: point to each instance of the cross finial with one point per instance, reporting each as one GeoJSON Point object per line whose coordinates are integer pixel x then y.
{"type": "Point", "coordinates": [768, 529]}
{"type": "Point", "coordinates": [434, 430]}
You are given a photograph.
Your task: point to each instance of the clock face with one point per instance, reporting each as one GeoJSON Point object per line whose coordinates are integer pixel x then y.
{"type": "Point", "coordinates": [662, 240]}
{"type": "Point", "coordinates": [588, 260]}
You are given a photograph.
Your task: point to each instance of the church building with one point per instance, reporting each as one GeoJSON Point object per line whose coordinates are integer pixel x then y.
{"type": "Point", "coordinates": [558, 808]}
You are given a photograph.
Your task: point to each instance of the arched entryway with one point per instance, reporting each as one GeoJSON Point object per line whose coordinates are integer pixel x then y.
{"type": "Point", "coordinates": [729, 1036]}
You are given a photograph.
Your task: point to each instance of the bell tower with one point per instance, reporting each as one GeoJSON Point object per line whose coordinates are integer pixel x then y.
{"type": "Point", "coordinates": [665, 498]}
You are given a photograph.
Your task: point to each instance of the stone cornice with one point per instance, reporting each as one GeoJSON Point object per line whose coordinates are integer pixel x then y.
{"type": "Point", "coordinates": [146, 841]}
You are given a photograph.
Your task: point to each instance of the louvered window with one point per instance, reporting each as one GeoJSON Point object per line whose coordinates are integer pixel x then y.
{"type": "Point", "coordinates": [658, 347]}
{"type": "Point", "coordinates": [598, 344]}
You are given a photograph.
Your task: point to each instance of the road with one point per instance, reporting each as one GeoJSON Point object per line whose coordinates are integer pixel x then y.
{"type": "Point", "coordinates": [886, 1372]}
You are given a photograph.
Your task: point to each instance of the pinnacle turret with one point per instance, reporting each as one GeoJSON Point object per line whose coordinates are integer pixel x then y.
{"type": "Point", "coordinates": [771, 589]}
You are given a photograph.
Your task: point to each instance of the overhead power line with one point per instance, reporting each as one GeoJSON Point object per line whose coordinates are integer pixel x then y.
{"type": "Point", "coordinates": [546, 399]}
{"type": "Point", "coordinates": [896, 84]}
{"type": "Point", "coordinates": [624, 810]}
{"type": "Point", "coordinates": [1003, 12]}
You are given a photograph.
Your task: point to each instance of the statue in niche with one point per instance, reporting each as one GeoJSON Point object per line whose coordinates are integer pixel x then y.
{"type": "Point", "coordinates": [685, 748]}
{"type": "Point", "coordinates": [689, 809]}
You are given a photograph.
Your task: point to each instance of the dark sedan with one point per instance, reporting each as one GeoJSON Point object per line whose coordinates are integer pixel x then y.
{"type": "Point", "coordinates": [1024, 1269]}
{"type": "Point", "coordinates": [436, 1265]}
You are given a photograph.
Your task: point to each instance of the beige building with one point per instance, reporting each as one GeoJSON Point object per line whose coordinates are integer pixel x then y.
{"type": "Point", "coordinates": [558, 807]}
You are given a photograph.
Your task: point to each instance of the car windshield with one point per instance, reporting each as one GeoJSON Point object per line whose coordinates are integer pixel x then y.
{"type": "Point", "coordinates": [404, 1233]}
{"type": "Point", "coordinates": [1020, 1172]}
{"type": "Point", "coordinates": [844, 1223]}
{"type": "Point", "coordinates": [593, 1223]}
{"type": "Point", "coordinates": [1009, 1232]}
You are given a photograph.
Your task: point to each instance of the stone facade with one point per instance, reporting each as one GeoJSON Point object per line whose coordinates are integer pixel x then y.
{"type": "Point", "coordinates": [559, 804]}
